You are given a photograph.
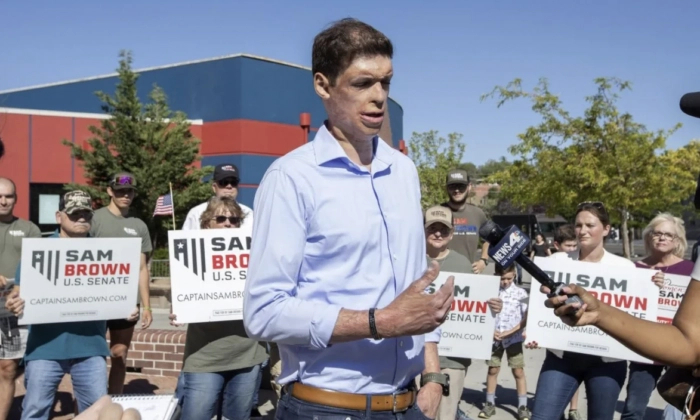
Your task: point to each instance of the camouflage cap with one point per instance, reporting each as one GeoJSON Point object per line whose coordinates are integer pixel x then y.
{"type": "Point", "coordinates": [73, 201]}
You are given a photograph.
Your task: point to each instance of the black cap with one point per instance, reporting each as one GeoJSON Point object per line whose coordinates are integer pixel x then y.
{"type": "Point", "coordinates": [123, 181]}
{"type": "Point", "coordinates": [457, 176]}
{"type": "Point", "coordinates": [226, 170]}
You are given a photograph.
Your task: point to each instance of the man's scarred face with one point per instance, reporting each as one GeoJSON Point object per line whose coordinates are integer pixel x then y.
{"type": "Point", "coordinates": [356, 104]}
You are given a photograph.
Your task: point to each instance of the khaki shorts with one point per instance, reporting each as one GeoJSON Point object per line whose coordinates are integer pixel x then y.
{"type": "Point", "coordinates": [516, 358]}
{"type": "Point", "coordinates": [13, 338]}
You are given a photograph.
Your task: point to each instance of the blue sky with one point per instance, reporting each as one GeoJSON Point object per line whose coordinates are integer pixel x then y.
{"type": "Point", "coordinates": [448, 53]}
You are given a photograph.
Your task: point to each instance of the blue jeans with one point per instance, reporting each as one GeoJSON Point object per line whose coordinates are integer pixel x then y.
{"type": "Point", "coordinates": [203, 390]}
{"type": "Point", "coordinates": [42, 377]}
{"type": "Point", "coordinates": [560, 378]}
{"type": "Point", "coordinates": [641, 383]}
{"type": "Point", "coordinates": [290, 408]}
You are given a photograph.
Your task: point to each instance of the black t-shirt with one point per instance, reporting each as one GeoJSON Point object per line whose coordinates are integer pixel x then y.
{"type": "Point", "coordinates": [540, 250]}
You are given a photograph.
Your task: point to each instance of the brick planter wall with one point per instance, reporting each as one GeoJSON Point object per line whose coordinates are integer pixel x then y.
{"type": "Point", "coordinates": [155, 352]}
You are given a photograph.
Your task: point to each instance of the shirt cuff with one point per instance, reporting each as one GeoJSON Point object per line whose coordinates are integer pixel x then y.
{"type": "Point", "coordinates": [322, 326]}
{"type": "Point", "coordinates": [433, 337]}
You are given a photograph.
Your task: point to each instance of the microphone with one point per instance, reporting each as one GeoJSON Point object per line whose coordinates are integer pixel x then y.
{"type": "Point", "coordinates": [690, 104]}
{"type": "Point", "coordinates": [508, 247]}
{"type": "Point", "coordinates": [696, 200]}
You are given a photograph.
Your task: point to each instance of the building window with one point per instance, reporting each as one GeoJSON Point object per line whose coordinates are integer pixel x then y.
{"type": "Point", "coordinates": [43, 205]}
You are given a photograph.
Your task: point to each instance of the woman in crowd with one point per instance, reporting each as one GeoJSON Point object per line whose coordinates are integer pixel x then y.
{"type": "Point", "coordinates": [540, 248]}
{"type": "Point", "coordinates": [665, 246]}
{"type": "Point", "coordinates": [562, 372]}
{"type": "Point", "coordinates": [220, 360]}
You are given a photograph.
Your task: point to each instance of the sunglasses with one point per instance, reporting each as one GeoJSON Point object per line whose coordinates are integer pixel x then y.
{"type": "Point", "coordinates": [232, 219]}
{"type": "Point", "coordinates": [123, 180]}
{"type": "Point", "coordinates": [597, 204]}
{"type": "Point", "coordinates": [227, 181]}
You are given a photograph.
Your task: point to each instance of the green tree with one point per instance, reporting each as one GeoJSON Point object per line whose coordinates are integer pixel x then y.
{"type": "Point", "coordinates": [601, 155]}
{"type": "Point", "coordinates": [434, 156]}
{"type": "Point", "coordinates": [148, 140]}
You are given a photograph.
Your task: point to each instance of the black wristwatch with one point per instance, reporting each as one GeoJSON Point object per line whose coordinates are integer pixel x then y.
{"type": "Point", "coordinates": [485, 260]}
{"type": "Point", "coordinates": [439, 378]}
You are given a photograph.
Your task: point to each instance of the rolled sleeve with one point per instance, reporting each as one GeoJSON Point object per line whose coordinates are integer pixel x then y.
{"type": "Point", "coordinates": [434, 336]}
{"type": "Point", "coordinates": [271, 309]}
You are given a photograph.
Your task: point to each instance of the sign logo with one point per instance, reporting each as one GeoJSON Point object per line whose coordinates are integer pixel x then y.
{"type": "Point", "coordinates": [192, 255]}
{"type": "Point", "coordinates": [46, 262]}
{"type": "Point", "coordinates": [507, 250]}
{"type": "Point", "coordinates": [515, 237]}
{"type": "Point", "coordinates": [457, 175]}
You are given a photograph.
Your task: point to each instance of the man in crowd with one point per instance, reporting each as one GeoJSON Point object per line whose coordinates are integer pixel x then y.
{"type": "Point", "coordinates": [113, 221]}
{"type": "Point", "coordinates": [439, 232]}
{"type": "Point", "coordinates": [13, 340]}
{"type": "Point", "coordinates": [468, 218]}
{"type": "Point", "coordinates": [75, 348]}
{"type": "Point", "coordinates": [338, 243]}
{"type": "Point", "coordinates": [224, 184]}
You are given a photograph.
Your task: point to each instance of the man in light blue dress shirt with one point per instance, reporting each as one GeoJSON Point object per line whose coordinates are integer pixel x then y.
{"type": "Point", "coordinates": [338, 273]}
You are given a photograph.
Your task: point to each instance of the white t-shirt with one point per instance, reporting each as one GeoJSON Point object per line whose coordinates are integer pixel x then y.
{"type": "Point", "coordinates": [192, 220]}
{"type": "Point", "coordinates": [608, 259]}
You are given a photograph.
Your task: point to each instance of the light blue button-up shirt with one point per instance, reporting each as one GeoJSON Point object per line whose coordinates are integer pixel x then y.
{"type": "Point", "coordinates": [328, 234]}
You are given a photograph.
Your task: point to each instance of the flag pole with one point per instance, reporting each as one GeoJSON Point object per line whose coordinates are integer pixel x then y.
{"type": "Point", "coordinates": [172, 199]}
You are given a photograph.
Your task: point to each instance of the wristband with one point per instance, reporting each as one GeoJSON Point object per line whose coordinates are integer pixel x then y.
{"type": "Point", "coordinates": [147, 308]}
{"type": "Point", "coordinates": [373, 325]}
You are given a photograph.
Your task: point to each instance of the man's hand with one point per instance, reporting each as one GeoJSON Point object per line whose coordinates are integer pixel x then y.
{"type": "Point", "coordinates": [3, 281]}
{"type": "Point", "coordinates": [496, 305]}
{"type": "Point", "coordinates": [14, 303]}
{"type": "Point", "coordinates": [146, 318]}
{"type": "Point", "coordinates": [105, 409]}
{"type": "Point", "coordinates": [414, 312]}
{"type": "Point", "coordinates": [428, 399]}
{"type": "Point", "coordinates": [478, 266]}
{"type": "Point", "coordinates": [659, 279]}
{"type": "Point", "coordinates": [575, 314]}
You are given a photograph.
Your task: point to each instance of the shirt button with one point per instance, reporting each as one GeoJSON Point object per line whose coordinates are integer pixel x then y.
{"type": "Point", "coordinates": [400, 343]}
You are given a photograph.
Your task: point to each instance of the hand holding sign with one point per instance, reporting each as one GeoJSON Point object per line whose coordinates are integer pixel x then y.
{"type": "Point", "coordinates": [14, 303]}
{"type": "Point", "coordinates": [415, 312]}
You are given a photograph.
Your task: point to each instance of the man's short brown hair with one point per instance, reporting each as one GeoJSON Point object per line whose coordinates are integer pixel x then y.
{"type": "Point", "coordinates": [337, 46]}
{"type": "Point", "coordinates": [564, 233]}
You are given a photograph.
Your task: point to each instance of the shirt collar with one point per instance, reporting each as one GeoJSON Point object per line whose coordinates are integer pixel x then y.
{"type": "Point", "coordinates": [327, 149]}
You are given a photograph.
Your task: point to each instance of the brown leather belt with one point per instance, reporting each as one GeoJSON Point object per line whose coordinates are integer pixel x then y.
{"type": "Point", "coordinates": [398, 402]}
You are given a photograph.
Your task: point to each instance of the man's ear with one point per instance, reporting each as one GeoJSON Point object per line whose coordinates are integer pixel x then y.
{"type": "Point", "coordinates": [322, 86]}
{"type": "Point", "coordinates": [58, 217]}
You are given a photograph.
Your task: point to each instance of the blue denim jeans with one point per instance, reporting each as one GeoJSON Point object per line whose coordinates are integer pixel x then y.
{"type": "Point", "coordinates": [560, 378]}
{"type": "Point", "coordinates": [290, 408]}
{"type": "Point", "coordinates": [642, 382]}
{"type": "Point", "coordinates": [42, 377]}
{"type": "Point", "coordinates": [203, 390]}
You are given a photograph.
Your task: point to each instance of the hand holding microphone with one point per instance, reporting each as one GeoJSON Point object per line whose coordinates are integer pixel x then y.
{"type": "Point", "coordinates": [507, 248]}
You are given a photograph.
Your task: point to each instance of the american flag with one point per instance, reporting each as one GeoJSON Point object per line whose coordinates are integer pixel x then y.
{"type": "Point", "coordinates": [164, 205]}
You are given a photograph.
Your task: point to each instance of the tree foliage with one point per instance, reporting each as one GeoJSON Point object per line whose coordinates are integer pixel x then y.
{"type": "Point", "coordinates": [601, 155]}
{"type": "Point", "coordinates": [148, 140]}
{"type": "Point", "coordinates": [434, 156]}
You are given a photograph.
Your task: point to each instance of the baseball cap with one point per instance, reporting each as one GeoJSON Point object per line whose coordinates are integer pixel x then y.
{"type": "Point", "coordinates": [122, 181]}
{"type": "Point", "coordinates": [438, 214]}
{"type": "Point", "coordinates": [73, 201]}
{"type": "Point", "coordinates": [225, 170]}
{"type": "Point", "coordinates": [457, 176]}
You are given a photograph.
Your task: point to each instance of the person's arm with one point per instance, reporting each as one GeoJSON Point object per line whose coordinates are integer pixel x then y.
{"type": "Point", "coordinates": [145, 277]}
{"type": "Point", "coordinates": [676, 344]}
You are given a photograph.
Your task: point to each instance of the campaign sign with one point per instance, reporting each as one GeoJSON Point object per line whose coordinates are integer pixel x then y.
{"type": "Point", "coordinates": [468, 331]}
{"type": "Point", "coordinates": [509, 247]}
{"type": "Point", "coordinates": [627, 288]}
{"type": "Point", "coordinates": [208, 269]}
{"type": "Point", "coordinates": [78, 279]}
{"type": "Point", "coordinates": [670, 296]}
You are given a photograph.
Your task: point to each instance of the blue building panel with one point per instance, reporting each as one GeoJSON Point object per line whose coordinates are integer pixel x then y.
{"type": "Point", "coordinates": [246, 195]}
{"type": "Point", "coordinates": [251, 167]}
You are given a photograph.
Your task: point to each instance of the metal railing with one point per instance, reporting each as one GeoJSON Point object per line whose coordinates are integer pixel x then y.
{"type": "Point", "coordinates": [160, 269]}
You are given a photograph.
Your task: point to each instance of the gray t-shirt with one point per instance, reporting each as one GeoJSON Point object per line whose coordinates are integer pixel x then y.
{"type": "Point", "coordinates": [454, 262]}
{"type": "Point", "coordinates": [466, 230]}
{"type": "Point", "coordinates": [106, 224]}
{"type": "Point", "coordinates": [11, 235]}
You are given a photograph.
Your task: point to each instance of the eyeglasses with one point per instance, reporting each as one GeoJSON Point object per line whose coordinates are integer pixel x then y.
{"type": "Point", "coordinates": [123, 180]}
{"type": "Point", "coordinates": [227, 181]}
{"type": "Point", "coordinates": [222, 219]}
{"type": "Point", "coordinates": [665, 235]}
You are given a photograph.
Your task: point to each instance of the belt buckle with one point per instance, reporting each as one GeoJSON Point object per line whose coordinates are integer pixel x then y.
{"type": "Point", "coordinates": [393, 396]}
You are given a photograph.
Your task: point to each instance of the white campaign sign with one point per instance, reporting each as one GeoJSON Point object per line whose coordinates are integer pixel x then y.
{"type": "Point", "coordinates": [208, 269]}
{"type": "Point", "coordinates": [78, 279]}
{"type": "Point", "coordinates": [627, 288]}
{"type": "Point", "coordinates": [671, 296]}
{"type": "Point", "coordinates": [468, 331]}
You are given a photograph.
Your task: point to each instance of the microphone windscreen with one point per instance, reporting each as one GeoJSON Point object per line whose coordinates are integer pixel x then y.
{"type": "Point", "coordinates": [690, 104]}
